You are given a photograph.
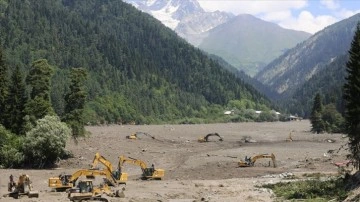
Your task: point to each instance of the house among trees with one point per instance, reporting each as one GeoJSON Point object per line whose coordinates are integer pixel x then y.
{"type": "Point", "coordinates": [230, 112]}
{"type": "Point", "coordinates": [294, 118]}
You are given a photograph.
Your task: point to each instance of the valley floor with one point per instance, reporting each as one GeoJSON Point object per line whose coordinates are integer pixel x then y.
{"type": "Point", "coordinates": [198, 171]}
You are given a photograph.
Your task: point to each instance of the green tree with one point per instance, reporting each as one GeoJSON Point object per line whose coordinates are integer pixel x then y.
{"type": "Point", "coordinates": [352, 96]}
{"type": "Point", "coordinates": [46, 142]}
{"type": "Point", "coordinates": [75, 102]}
{"type": "Point", "coordinates": [15, 111]}
{"type": "Point", "coordinates": [4, 81]}
{"type": "Point", "coordinates": [316, 115]}
{"type": "Point", "coordinates": [332, 119]}
{"type": "Point", "coordinates": [10, 149]}
{"type": "Point", "coordinates": [39, 79]}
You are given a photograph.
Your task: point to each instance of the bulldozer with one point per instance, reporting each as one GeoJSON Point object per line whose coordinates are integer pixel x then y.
{"type": "Point", "coordinates": [249, 162]}
{"type": "Point", "coordinates": [119, 176]}
{"type": "Point", "coordinates": [147, 172]}
{"type": "Point", "coordinates": [206, 138]}
{"type": "Point", "coordinates": [136, 135]}
{"type": "Point", "coordinates": [21, 188]}
{"type": "Point", "coordinates": [86, 191]}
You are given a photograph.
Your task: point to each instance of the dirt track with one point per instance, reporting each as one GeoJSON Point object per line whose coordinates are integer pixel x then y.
{"type": "Point", "coordinates": [198, 171]}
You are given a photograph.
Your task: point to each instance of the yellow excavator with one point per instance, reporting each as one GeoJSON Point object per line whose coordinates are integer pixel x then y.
{"type": "Point", "coordinates": [64, 182]}
{"type": "Point", "coordinates": [21, 188]}
{"type": "Point", "coordinates": [206, 138]}
{"type": "Point", "coordinates": [86, 191]}
{"type": "Point", "coordinates": [137, 134]}
{"type": "Point", "coordinates": [120, 177]}
{"type": "Point", "coordinates": [249, 162]}
{"type": "Point", "coordinates": [147, 172]}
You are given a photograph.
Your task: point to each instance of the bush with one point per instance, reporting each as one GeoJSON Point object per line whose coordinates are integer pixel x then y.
{"type": "Point", "coordinates": [11, 157]}
{"type": "Point", "coordinates": [10, 149]}
{"type": "Point", "coordinates": [267, 116]}
{"type": "Point", "coordinates": [310, 190]}
{"type": "Point", "coordinates": [45, 143]}
{"type": "Point", "coordinates": [333, 120]}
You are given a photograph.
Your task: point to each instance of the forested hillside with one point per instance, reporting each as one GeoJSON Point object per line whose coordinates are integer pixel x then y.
{"type": "Point", "coordinates": [139, 70]}
{"type": "Point", "coordinates": [297, 66]}
{"type": "Point", "coordinates": [328, 83]}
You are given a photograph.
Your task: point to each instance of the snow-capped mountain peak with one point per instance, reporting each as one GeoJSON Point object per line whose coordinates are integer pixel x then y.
{"type": "Point", "coordinates": [169, 12]}
{"type": "Point", "coordinates": [186, 17]}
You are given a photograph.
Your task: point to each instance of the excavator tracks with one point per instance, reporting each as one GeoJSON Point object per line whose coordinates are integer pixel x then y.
{"type": "Point", "coordinates": [94, 199]}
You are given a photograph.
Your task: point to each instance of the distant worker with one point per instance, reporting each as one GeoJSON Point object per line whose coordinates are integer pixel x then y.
{"type": "Point", "coordinates": [11, 183]}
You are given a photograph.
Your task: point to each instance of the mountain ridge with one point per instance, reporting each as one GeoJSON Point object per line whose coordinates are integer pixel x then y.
{"type": "Point", "coordinates": [244, 42]}
{"type": "Point", "coordinates": [292, 69]}
{"type": "Point", "coordinates": [199, 28]}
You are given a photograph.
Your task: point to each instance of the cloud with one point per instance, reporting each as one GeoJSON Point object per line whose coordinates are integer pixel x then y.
{"type": "Point", "coordinates": [251, 6]}
{"type": "Point", "coordinates": [308, 22]}
{"type": "Point", "coordinates": [277, 16]}
{"type": "Point", "coordinates": [345, 13]}
{"type": "Point", "coordinates": [330, 4]}
{"type": "Point", "coordinates": [305, 15]}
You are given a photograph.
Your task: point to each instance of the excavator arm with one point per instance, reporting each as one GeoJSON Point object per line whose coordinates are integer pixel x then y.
{"type": "Point", "coordinates": [206, 138]}
{"type": "Point", "coordinates": [98, 158]}
{"type": "Point", "coordinates": [137, 134]}
{"type": "Point", "coordinates": [147, 172]}
{"type": "Point", "coordinates": [248, 162]}
{"type": "Point", "coordinates": [93, 173]}
{"type": "Point", "coordinates": [117, 174]}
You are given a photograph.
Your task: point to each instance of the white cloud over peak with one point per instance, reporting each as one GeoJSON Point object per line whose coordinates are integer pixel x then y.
{"type": "Point", "coordinates": [253, 7]}
{"type": "Point", "coordinates": [307, 22]}
{"type": "Point", "coordinates": [305, 15]}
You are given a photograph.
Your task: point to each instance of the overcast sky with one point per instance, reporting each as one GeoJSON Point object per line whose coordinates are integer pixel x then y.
{"type": "Point", "coordinates": [306, 15]}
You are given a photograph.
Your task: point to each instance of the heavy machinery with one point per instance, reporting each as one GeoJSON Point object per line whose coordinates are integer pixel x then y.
{"type": "Point", "coordinates": [137, 134]}
{"type": "Point", "coordinates": [64, 182]}
{"type": "Point", "coordinates": [86, 191]}
{"type": "Point", "coordinates": [147, 172]}
{"type": "Point", "coordinates": [206, 138]}
{"type": "Point", "coordinates": [21, 188]}
{"type": "Point", "coordinates": [120, 177]}
{"type": "Point", "coordinates": [60, 183]}
{"type": "Point", "coordinates": [249, 162]}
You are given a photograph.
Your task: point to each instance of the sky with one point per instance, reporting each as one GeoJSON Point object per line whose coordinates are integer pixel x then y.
{"type": "Point", "coordinates": [304, 15]}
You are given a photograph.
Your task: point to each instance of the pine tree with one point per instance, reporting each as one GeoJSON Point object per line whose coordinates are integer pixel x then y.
{"type": "Point", "coordinates": [352, 98]}
{"type": "Point", "coordinates": [15, 111]}
{"type": "Point", "coordinates": [75, 102]}
{"type": "Point", "coordinates": [4, 81]}
{"type": "Point", "coordinates": [39, 79]}
{"type": "Point", "coordinates": [316, 115]}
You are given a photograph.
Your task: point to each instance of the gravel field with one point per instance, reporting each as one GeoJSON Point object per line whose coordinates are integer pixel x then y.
{"type": "Point", "coordinates": [197, 171]}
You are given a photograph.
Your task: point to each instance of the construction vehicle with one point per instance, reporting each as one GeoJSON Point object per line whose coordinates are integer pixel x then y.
{"type": "Point", "coordinates": [86, 191]}
{"type": "Point", "coordinates": [137, 134]}
{"type": "Point", "coordinates": [60, 183]}
{"type": "Point", "coordinates": [21, 188]}
{"type": "Point", "coordinates": [289, 139]}
{"type": "Point", "coordinates": [206, 138]}
{"type": "Point", "coordinates": [147, 172]}
{"type": "Point", "coordinates": [64, 182]}
{"type": "Point", "coordinates": [120, 177]}
{"type": "Point", "coordinates": [249, 162]}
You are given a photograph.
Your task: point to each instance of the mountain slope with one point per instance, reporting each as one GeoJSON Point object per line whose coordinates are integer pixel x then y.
{"type": "Point", "coordinates": [139, 70]}
{"type": "Point", "coordinates": [328, 82]}
{"type": "Point", "coordinates": [291, 70]}
{"type": "Point", "coordinates": [249, 43]}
